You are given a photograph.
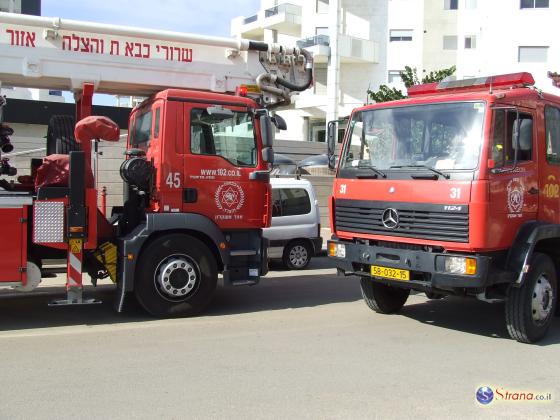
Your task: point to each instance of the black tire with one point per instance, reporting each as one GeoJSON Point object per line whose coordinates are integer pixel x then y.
{"type": "Point", "coordinates": [297, 254]}
{"type": "Point", "coordinates": [60, 135]}
{"type": "Point", "coordinates": [381, 298]}
{"type": "Point", "coordinates": [525, 323]}
{"type": "Point", "coordinates": [184, 256]}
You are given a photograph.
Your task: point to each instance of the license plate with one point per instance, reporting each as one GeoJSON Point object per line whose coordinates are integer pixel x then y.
{"type": "Point", "coordinates": [390, 273]}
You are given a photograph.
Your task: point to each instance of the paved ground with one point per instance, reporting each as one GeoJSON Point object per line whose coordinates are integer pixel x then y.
{"type": "Point", "coordinates": [300, 345]}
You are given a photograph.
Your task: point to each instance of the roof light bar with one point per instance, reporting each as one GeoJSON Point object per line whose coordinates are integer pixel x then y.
{"type": "Point", "coordinates": [503, 80]}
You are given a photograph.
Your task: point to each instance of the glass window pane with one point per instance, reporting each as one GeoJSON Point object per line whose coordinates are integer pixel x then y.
{"type": "Point", "coordinates": [394, 76]}
{"type": "Point", "coordinates": [156, 123]}
{"type": "Point", "coordinates": [400, 35]}
{"type": "Point", "coordinates": [527, 4]}
{"type": "Point", "coordinates": [295, 201]}
{"type": "Point", "coordinates": [533, 54]}
{"type": "Point", "coordinates": [142, 129]}
{"type": "Point", "coordinates": [450, 42]}
{"type": "Point", "coordinates": [470, 42]}
{"type": "Point", "coordinates": [552, 117]}
{"type": "Point", "coordinates": [232, 138]}
{"type": "Point", "coordinates": [276, 203]}
{"type": "Point", "coordinates": [443, 136]}
{"type": "Point", "coordinates": [541, 3]}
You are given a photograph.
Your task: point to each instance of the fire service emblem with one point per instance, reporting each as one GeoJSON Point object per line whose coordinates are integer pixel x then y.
{"type": "Point", "coordinates": [515, 192]}
{"type": "Point", "coordinates": [229, 197]}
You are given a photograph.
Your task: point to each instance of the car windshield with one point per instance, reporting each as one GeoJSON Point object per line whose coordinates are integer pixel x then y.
{"type": "Point", "coordinates": [444, 136]}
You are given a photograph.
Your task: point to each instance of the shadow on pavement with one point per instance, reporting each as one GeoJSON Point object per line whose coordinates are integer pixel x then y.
{"type": "Point", "coordinates": [296, 289]}
{"type": "Point", "coordinates": [470, 316]}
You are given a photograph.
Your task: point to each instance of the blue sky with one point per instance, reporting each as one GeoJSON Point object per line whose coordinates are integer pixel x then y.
{"type": "Point", "coordinates": [206, 17]}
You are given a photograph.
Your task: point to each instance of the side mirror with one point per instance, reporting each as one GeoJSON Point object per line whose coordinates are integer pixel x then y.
{"type": "Point", "coordinates": [331, 143]}
{"type": "Point", "coordinates": [279, 122]}
{"type": "Point", "coordinates": [267, 133]}
{"type": "Point", "coordinates": [268, 155]}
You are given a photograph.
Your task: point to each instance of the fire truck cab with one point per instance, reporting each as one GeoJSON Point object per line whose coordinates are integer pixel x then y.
{"type": "Point", "coordinates": [196, 171]}
{"type": "Point", "coordinates": [454, 191]}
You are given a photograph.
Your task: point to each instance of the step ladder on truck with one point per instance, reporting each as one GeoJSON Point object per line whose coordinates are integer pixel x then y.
{"type": "Point", "coordinates": [196, 170]}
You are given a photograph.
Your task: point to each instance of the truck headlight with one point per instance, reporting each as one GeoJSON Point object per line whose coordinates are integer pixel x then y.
{"type": "Point", "coordinates": [337, 250]}
{"type": "Point", "coordinates": [460, 265]}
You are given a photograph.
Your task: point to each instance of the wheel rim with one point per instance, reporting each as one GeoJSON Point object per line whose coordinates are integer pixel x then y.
{"type": "Point", "coordinates": [542, 300]}
{"type": "Point", "coordinates": [176, 277]}
{"type": "Point", "coordinates": [298, 256]}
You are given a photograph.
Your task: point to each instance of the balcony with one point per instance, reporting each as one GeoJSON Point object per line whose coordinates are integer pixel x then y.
{"type": "Point", "coordinates": [285, 18]}
{"type": "Point", "coordinates": [357, 50]}
{"type": "Point", "coordinates": [318, 45]}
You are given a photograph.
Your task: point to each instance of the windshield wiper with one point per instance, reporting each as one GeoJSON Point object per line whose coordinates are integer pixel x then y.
{"type": "Point", "coordinates": [446, 176]}
{"type": "Point", "coordinates": [372, 168]}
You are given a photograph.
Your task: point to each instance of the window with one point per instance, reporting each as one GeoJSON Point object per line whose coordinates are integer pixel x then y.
{"type": "Point", "coordinates": [290, 202]}
{"type": "Point", "coordinates": [322, 6]}
{"type": "Point", "coordinates": [552, 123]}
{"type": "Point", "coordinates": [322, 30]}
{"type": "Point", "coordinates": [504, 144]}
{"type": "Point", "coordinates": [470, 42]}
{"type": "Point", "coordinates": [534, 4]}
{"type": "Point", "coordinates": [142, 129]}
{"type": "Point", "coordinates": [443, 136]}
{"type": "Point", "coordinates": [450, 4]}
{"type": "Point", "coordinates": [450, 42]}
{"type": "Point", "coordinates": [400, 35]}
{"type": "Point", "coordinates": [533, 54]}
{"type": "Point", "coordinates": [471, 4]}
{"type": "Point", "coordinates": [232, 138]}
{"type": "Point", "coordinates": [394, 76]}
{"type": "Point", "coordinates": [317, 131]}
{"type": "Point", "coordinates": [156, 123]}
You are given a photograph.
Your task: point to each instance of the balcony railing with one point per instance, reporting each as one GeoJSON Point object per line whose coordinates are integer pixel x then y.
{"type": "Point", "coordinates": [313, 40]}
{"type": "Point", "coordinates": [250, 19]}
{"type": "Point", "coordinates": [282, 8]}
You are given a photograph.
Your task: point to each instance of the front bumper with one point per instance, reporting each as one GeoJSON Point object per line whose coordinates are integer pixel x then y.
{"type": "Point", "coordinates": [427, 269]}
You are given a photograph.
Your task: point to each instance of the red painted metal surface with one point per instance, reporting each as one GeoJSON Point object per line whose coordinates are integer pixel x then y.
{"type": "Point", "coordinates": [492, 225]}
{"type": "Point", "coordinates": [13, 244]}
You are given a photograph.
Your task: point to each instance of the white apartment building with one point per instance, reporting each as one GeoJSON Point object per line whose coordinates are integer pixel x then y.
{"type": "Point", "coordinates": [346, 38]}
{"type": "Point", "coordinates": [360, 44]}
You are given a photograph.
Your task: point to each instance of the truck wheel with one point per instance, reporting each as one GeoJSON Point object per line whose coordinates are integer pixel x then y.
{"type": "Point", "coordinates": [381, 298]}
{"type": "Point", "coordinates": [297, 255]}
{"type": "Point", "coordinates": [60, 135]}
{"type": "Point", "coordinates": [530, 308]}
{"type": "Point", "coordinates": [176, 276]}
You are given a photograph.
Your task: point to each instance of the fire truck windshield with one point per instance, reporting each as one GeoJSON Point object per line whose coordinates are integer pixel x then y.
{"type": "Point", "coordinates": [443, 136]}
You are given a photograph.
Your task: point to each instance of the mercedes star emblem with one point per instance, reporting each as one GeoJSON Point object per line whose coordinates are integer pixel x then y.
{"type": "Point", "coordinates": [390, 218]}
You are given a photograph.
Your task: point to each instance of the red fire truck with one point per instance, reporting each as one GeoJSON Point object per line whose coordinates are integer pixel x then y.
{"type": "Point", "coordinates": [454, 191]}
{"type": "Point", "coordinates": [196, 172]}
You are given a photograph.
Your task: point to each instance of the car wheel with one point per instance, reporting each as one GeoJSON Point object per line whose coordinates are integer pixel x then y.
{"type": "Point", "coordinates": [176, 276]}
{"type": "Point", "coordinates": [381, 298]}
{"type": "Point", "coordinates": [530, 308]}
{"type": "Point", "coordinates": [297, 255]}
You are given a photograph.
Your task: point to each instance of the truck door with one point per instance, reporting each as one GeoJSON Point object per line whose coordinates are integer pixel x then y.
{"type": "Point", "coordinates": [513, 188]}
{"type": "Point", "coordinates": [221, 153]}
{"type": "Point", "coordinates": [549, 164]}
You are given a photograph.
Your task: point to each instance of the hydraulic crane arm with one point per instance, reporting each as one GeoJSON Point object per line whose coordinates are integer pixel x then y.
{"type": "Point", "coordinates": [54, 53]}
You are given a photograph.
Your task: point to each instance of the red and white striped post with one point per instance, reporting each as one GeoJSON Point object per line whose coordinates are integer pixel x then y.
{"type": "Point", "coordinates": [74, 285]}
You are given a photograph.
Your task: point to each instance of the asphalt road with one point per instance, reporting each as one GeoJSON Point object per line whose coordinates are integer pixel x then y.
{"type": "Point", "coordinates": [299, 345]}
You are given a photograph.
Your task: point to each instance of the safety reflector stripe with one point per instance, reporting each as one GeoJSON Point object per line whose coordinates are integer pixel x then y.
{"type": "Point", "coordinates": [75, 263]}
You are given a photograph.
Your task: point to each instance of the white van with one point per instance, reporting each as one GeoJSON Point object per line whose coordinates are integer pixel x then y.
{"type": "Point", "coordinates": [295, 231]}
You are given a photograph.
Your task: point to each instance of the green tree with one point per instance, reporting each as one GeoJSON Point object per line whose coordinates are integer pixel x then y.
{"type": "Point", "coordinates": [409, 77]}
